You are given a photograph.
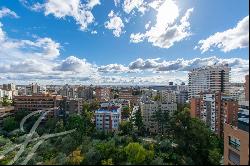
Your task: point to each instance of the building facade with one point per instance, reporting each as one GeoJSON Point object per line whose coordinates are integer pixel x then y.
{"type": "Point", "coordinates": [102, 94]}
{"type": "Point", "coordinates": [167, 96]}
{"type": "Point", "coordinates": [182, 97]}
{"type": "Point", "coordinates": [210, 78]}
{"type": "Point", "coordinates": [214, 109]}
{"type": "Point", "coordinates": [108, 117]}
{"type": "Point", "coordinates": [36, 102]}
{"type": "Point", "coordinates": [236, 145]}
{"type": "Point", "coordinates": [149, 108]}
{"type": "Point", "coordinates": [32, 89]}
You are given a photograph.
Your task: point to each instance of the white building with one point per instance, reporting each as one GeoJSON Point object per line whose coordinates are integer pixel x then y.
{"type": "Point", "coordinates": [7, 93]}
{"type": "Point", "coordinates": [149, 108]}
{"type": "Point", "coordinates": [108, 117]}
{"type": "Point", "coordinates": [209, 78]}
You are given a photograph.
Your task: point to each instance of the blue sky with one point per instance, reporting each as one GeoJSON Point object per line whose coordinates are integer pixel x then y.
{"type": "Point", "coordinates": [108, 56]}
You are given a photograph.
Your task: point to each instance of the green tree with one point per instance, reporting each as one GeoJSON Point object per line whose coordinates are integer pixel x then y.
{"type": "Point", "coordinates": [138, 121]}
{"type": "Point", "coordinates": [137, 154]}
{"type": "Point", "coordinates": [125, 112]}
{"type": "Point", "coordinates": [126, 127]}
{"type": "Point", "coordinates": [6, 102]}
{"type": "Point", "coordinates": [195, 140]}
{"type": "Point", "coordinates": [9, 124]}
{"type": "Point", "coordinates": [75, 158]}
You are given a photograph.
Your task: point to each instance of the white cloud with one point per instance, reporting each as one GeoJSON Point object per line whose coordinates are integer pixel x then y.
{"type": "Point", "coordinates": [237, 64]}
{"type": "Point", "coordinates": [7, 12]}
{"type": "Point", "coordinates": [93, 32]}
{"type": "Point", "coordinates": [166, 31]}
{"type": "Point", "coordinates": [130, 5]}
{"type": "Point", "coordinates": [116, 68]}
{"type": "Point", "coordinates": [137, 38]}
{"type": "Point", "coordinates": [117, 2]}
{"type": "Point", "coordinates": [156, 4]}
{"type": "Point", "coordinates": [147, 25]}
{"type": "Point", "coordinates": [74, 64]}
{"type": "Point", "coordinates": [93, 3]}
{"type": "Point", "coordinates": [115, 23]}
{"type": "Point", "coordinates": [237, 37]}
{"type": "Point", "coordinates": [80, 12]}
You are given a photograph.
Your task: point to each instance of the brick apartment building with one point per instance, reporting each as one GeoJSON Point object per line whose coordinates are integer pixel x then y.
{"type": "Point", "coordinates": [214, 109]}
{"type": "Point", "coordinates": [36, 102]}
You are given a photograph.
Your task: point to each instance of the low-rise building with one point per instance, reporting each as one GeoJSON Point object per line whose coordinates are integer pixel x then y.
{"type": "Point", "coordinates": [36, 102]}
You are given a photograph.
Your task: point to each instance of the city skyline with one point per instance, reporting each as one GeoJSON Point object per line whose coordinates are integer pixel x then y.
{"type": "Point", "coordinates": [120, 42]}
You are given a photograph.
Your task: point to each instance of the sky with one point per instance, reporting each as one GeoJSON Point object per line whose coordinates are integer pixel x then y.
{"type": "Point", "coordinates": [137, 42]}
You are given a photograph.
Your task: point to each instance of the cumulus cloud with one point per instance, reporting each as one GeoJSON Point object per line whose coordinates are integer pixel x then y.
{"type": "Point", "coordinates": [137, 38]}
{"type": "Point", "coordinates": [116, 68]}
{"type": "Point", "coordinates": [7, 12]}
{"type": "Point", "coordinates": [166, 31]}
{"type": "Point", "coordinates": [237, 37]}
{"type": "Point", "coordinates": [130, 5]}
{"type": "Point", "coordinates": [187, 65]}
{"type": "Point", "coordinates": [80, 12]}
{"type": "Point", "coordinates": [74, 64]}
{"type": "Point", "coordinates": [115, 23]}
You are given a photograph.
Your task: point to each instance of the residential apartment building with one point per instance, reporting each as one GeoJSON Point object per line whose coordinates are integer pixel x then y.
{"type": "Point", "coordinates": [108, 117]}
{"type": "Point", "coordinates": [148, 109]}
{"type": "Point", "coordinates": [126, 94]}
{"type": "Point", "coordinates": [214, 109]}
{"type": "Point", "coordinates": [32, 89]}
{"type": "Point", "coordinates": [9, 87]}
{"type": "Point", "coordinates": [7, 93]}
{"type": "Point", "coordinates": [85, 93]}
{"type": "Point", "coordinates": [167, 96]}
{"type": "Point", "coordinates": [236, 138]}
{"type": "Point", "coordinates": [70, 105]}
{"type": "Point", "coordinates": [209, 78]}
{"type": "Point", "coordinates": [68, 91]}
{"type": "Point", "coordinates": [181, 97]}
{"type": "Point", "coordinates": [102, 94]}
{"type": "Point", "coordinates": [36, 102]}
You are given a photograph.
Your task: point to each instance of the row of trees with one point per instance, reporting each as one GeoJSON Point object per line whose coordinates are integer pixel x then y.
{"type": "Point", "coordinates": [184, 141]}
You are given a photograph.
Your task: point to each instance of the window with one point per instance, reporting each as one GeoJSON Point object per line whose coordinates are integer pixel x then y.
{"type": "Point", "coordinates": [234, 157]}
{"type": "Point", "coordinates": [234, 143]}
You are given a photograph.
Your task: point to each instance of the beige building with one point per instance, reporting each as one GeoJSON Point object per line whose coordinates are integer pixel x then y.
{"type": "Point", "coordinates": [210, 78]}
{"type": "Point", "coordinates": [149, 108]}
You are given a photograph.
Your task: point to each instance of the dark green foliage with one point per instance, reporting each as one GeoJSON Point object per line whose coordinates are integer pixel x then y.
{"type": "Point", "coordinates": [9, 124]}
{"type": "Point", "coordinates": [184, 141]}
